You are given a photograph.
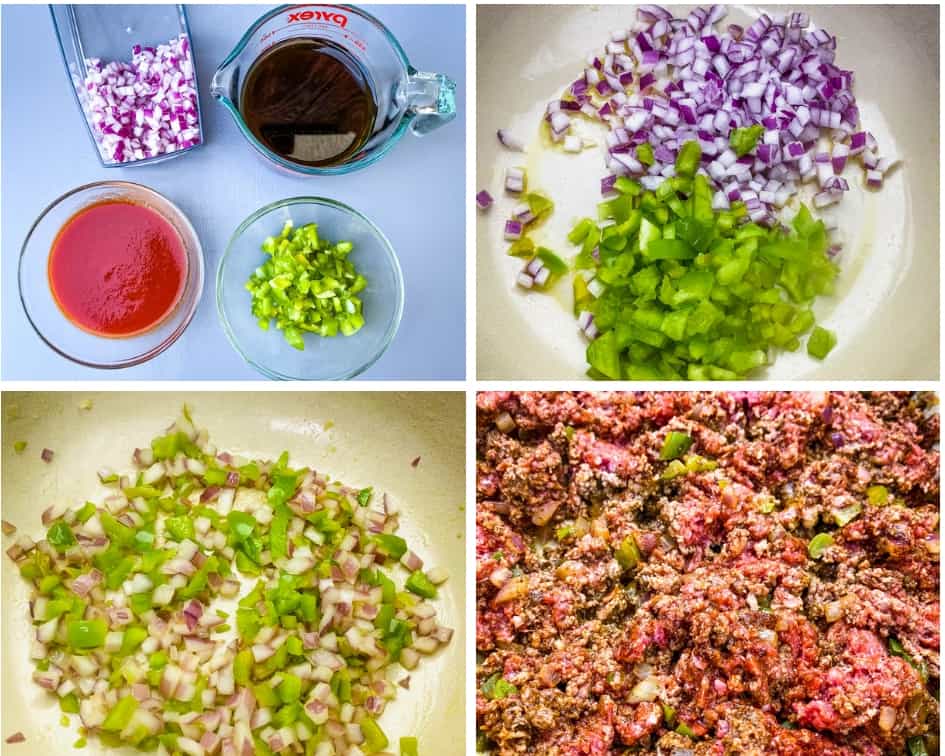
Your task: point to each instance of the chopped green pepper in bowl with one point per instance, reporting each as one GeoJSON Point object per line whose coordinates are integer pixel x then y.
{"type": "Point", "coordinates": [308, 284]}
{"type": "Point", "coordinates": [325, 292]}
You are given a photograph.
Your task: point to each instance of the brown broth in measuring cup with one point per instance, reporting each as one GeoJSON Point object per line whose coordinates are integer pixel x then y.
{"type": "Point", "coordinates": [306, 100]}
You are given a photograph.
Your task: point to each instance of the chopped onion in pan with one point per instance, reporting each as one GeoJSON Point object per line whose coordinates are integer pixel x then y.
{"type": "Point", "coordinates": [764, 104]}
{"type": "Point", "coordinates": [127, 631]}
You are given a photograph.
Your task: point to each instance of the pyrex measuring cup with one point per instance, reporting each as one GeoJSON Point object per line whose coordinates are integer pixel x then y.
{"type": "Point", "coordinates": [405, 97]}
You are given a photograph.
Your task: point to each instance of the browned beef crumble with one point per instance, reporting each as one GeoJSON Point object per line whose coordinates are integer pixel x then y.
{"type": "Point", "coordinates": [723, 634]}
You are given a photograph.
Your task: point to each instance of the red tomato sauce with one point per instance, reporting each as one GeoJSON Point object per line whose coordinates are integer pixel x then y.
{"type": "Point", "coordinates": [117, 268]}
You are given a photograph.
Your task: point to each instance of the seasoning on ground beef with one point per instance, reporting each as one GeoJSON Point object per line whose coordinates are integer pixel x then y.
{"type": "Point", "coordinates": [640, 597]}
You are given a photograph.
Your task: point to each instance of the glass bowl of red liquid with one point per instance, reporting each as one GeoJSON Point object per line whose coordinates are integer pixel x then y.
{"type": "Point", "coordinates": [110, 274]}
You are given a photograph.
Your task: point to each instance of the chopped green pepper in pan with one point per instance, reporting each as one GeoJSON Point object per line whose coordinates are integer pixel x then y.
{"type": "Point", "coordinates": [675, 445]}
{"type": "Point", "coordinates": [124, 592]}
{"type": "Point", "coordinates": [670, 287]}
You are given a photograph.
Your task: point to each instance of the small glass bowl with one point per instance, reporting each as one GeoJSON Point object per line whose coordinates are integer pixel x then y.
{"type": "Point", "coordinates": [108, 32]}
{"type": "Point", "coordinates": [335, 358]}
{"type": "Point", "coordinates": [60, 333]}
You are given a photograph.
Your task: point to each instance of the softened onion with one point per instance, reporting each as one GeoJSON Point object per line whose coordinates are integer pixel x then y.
{"type": "Point", "coordinates": [545, 511]}
{"type": "Point", "coordinates": [887, 718]}
{"type": "Point", "coordinates": [645, 690]}
{"type": "Point", "coordinates": [177, 617]}
{"type": "Point", "coordinates": [513, 589]}
{"type": "Point", "coordinates": [505, 423]}
{"type": "Point", "coordinates": [510, 141]}
{"type": "Point", "coordinates": [833, 610]}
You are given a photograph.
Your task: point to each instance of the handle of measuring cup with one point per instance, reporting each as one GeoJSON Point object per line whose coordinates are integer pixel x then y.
{"type": "Point", "coordinates": [431, 99]}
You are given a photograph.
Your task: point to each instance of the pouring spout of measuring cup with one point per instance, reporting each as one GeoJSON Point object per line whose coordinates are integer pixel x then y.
{"type": "Point", "coordinates": [431, 99]}
{"type": "Point", "coordinates": [224, 84]}
{"type": "Point", "coordinates": [224, 87]}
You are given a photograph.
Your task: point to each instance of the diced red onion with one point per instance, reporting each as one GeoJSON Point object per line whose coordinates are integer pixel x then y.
{"type": "Point", "coordinates": [513, 230]}
{"type": "Point", "coordinates": [505, 422]}
{"type": "Point", "coordinates": [509, 141]}
{"type": "Point", "coordinates": [425, 644]}
{"type": "Point", "coordinates": [47, 631]}
{"type": "Point", "coordinates": [118, 616]}
{"type": "Point", "coordinates": [178, 567]}
{"type": "Point", "coordinates": [317, 711]}
{"type": "Point", "coordinates": [515, 180]}
{"type": "Point", "coordinates": [573, 143]}
{"type": "Point", "coordinates": [170, 680]}
{"type": "Point", "coordinates": [143, 457]}
{"type": "Point", "coordinates": [544, 512]}
{"type": "Point", "coordinates": [144, 108]}
{"type": "Point", "coordinates": [484, 200]}
{"type": "Point", "coordinates": [513, 589]}
{"type": "Point", "coordinates": [409, 658]}
{"type": "Point", "coordinates": [86, 582]}
{"type": "Point", "coordinates": [411, 561]}
{"type": "Point", "coordinates": [773, 74]}
{"type": "Point", "coordinates": [210, 493]}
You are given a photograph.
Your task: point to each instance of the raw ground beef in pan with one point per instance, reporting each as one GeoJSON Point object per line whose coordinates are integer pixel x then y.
{"type": "Point", "coordinates": [707, 573]}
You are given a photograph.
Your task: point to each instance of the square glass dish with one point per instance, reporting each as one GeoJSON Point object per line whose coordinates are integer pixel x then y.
{"type": "Point", "coordinates": [133, 75]}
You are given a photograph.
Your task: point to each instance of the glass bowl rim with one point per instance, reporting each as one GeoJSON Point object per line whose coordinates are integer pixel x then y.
{"type": "Point", "coordinates": [197, 258]}
{"type": "Point", "coordinates": [392, 259]}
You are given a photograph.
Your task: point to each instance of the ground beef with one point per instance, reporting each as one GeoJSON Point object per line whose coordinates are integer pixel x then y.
{"type": "Point", "coordinates": [631, 604]}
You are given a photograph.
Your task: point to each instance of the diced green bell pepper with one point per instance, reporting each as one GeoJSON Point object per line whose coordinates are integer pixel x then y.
{"type": "Point", "coordinates": [819, 544]}
{"type": "Point", "coordinates": [420, 584]}
{"type": "Point", "coordinates": [675, 445]}
{"type": "Point", "coordinates": [134, 636]}
{"type": "Point", "coordinates": [84, 634]}
{"type": "Point", "coordinates": [391, 545]}
{"type": "Point", "coordinates": [290, 688]}
{"type": "Point", "coordinates": [820, 342]}
{"type": "Point", "coordinates": [278, 532]}
{"type": "Point", "coordinates": [120, 715]}
{"type": "Point", "coordinates": [60, 536]}
{"type": "Point", "coordinates": [628, 553]}
{"type": "Point", "coordinates": [687, 159]}
{"type": "Point", "coordinates": [744, 140]}
{"type": "Point", "coordinates": [69, 703]}
{"type": "Point", "coordinates": [374, 738]}
{"type": "Point", "coordinates": [496, 688]}
{"type": "Point", "coordinates": [180, 528]}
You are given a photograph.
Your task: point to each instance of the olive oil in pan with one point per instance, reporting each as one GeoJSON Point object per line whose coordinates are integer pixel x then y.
{"type": "Point", "coordinates": [308, 101]}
